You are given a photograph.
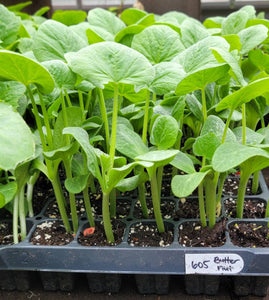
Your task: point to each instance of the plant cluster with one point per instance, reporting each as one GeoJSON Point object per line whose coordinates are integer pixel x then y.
{"type": "Point", "coordinates": [113, 100]}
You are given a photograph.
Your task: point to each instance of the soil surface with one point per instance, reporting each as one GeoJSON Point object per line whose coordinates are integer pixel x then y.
{"type": "Point", "coordinates": [253, 208]}
{"type": "Point", "coordinates": [98, 238]}
{"type": "Point", "coordinates": [188, 208]}
{"type": "Point", "coordinates": [6, 236]}
{"type": "Point", "coordinates": [147, 235]}
{"type": "Point", "coordinates": [230, 187]}
{"type": "Point", "coordinates": [249, 235]}
{"type": "Point", "coordinates": [51, 233]}
{"type": "Point", "coordinates": [192, 234]}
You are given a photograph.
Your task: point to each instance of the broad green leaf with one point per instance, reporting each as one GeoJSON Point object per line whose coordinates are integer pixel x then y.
{"type": "Point", "coordinates": [16, 140]}
{"type": "Point", "coordinates": [215, 125]}
{"type": "Point", "coordinates": [164, 132]}
{"type": "Point", "coordinates": [213, 22]}
{"type": "Point", "coordinates": [167, 77]}
{"type": "Point", "coordinates": [80, 29]}
{"type": "Point", "coordinates": [18, 7]}
{"type": "Point", "coordinates": [251, 37]}
{"type": "Point", "coordinates": [69, 17]}
{"type": "Point", "coordinates": [98, 34]}
{"type": "Point", "coordinates": [254, 22]}
{"type": "Point", "coordinates": [252, 137]}
{"type": "Point", "coordinates": [73, 119]}
{"type": "Point", "coordinates": [235, 22]}
{"type": "Point", "coordinates": [130, 30]}
{"type": "Point", "coordinates": [158, 157]}
{"type": "Point", "coordinates": [42, 11]}
{"type": "Point", "coordinates": [232, 155]}
{"type": "Point", "coordinates": [199, 55]}
{"type": "Point", "coordinates": [61, 73]}
{"type": "Point", "coordinates": [265, 133]}
{"type": "Point", "coordinates": [82, 138]}
{"type": "Point", "coordinates": [158, 43]}
{"type": "Point", "coordinates": [225, 56]}
{"type": "Point", "coordinates": [129, 143]}
{"type": "Point", "coordinates": [173, 17]}
{"type": "Point", "coordinates": [234, 41]}
{"type": "Point", "coordinates": [199, 79]}
{"type": "Point", "coordinates": [182, 162]}
{"type": "Point", "coordinates": [250, 10]}
{"type": "Point", "coordinates": [259, 59]}
{"type": "Point", "coordinates": [8, 191]}
{"type": "Point", "coordinates": [147, 20]}
{"type": "Point", "coordinates": [131, 183]}
{"type": "Point", "coordinates": [244, 95]}
{"type": "Point", "coordinates": [11, 92]}
{"type": "Point", "coordinates": [105, 19]}
{"type": "Point", "coordinates": [195, 106]}
{"type": "Point", "coordinates": [205, 145]}
{"type": "Point", "coordinates": [111, 62]}
{"type": "Point", "coordinates": [54, 39]}
{"type": "Point", "coordinates": [16, 67]}
{"type": "Point", "coordinates": [60, 152]}
{"type": "Point", "coordinates": [131, 16]}
{"type": "Point", "coordinates": [192, 32]}
{"type": "Point", "coordinates": [76, 184]}
{"type": "Point", "coordinates": [184, 185]}
{"type": "Point", "coordinates": [9, 26]}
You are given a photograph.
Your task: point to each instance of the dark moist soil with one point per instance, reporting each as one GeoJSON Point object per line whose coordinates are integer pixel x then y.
{"type": "Point", "coordinates": [253, 208]}
{"type": "Point", "coordinates": [98, 238]}
{"type": "Point", "coordinates": [147, 235]}
{"type": "Point", "coordinates": [231, 184]}
{"type": "Point", "coordinates": [249, 235]}
{"type": "Point", "coordinates": [6, 236]}
{"type": "Point", "coordinates": [188, 208]}
{"type": "Point", "coordinates": [51, 233]}
{"type": "Point", "coordinates": [192, 234]}
{"type": "Point", "coordinates": [167, 209]}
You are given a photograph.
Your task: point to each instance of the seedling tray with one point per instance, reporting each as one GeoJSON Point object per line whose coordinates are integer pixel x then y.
{"type": "Point", "coordinates": [174, 259]}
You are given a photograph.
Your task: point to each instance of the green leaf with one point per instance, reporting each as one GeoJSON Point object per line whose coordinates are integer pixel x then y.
{"type": "Point", "coordinates": [173, 17]}
{"type": "Point", "coordinates": [11, 92]}
{"type": "Point", "coordinates": [167, 77]}
{"type": "Point", "coordinates": [102, 18]}
{"type": "Point", "coordinates": [61, 73]}
{"type": "Point", "coordinates": [192, 32]}
{"type": "Point", "coordinates": [76, 184]}
{"type": "Point", "coordinates": [159, 157]}
{"type": "Point", "coordinates": [213, 22]}
{"type": "Point", "coordinates": [225, 56]}
{"type": "Point", "coordinates": [206, 145]}
{"type": "Point", "coordinates": [251, 136]}
{"type": "Point", "coordinates": [19, 6]}
{"type": "Point", "coordinates": [235, 22]}
{"type": "Point", "coordinates": [244, 95]}
{"type": "Point", "coordinates": [182, 162]}
{"type": "Point", "coordinates": [184, 185]}
{"type": "Point", "coordinates": [16, 140]}
{"type": "Point", "coordinates": [131, 183]}
{"type": "Point", "coordinates": [232, 155]}
{"type": "Point", "coordinates": [9, 26]}
{"type": "Point", "coordinates": [60, 152]}
{"type": "Point", "coordinates": [234, 41]}
{"type": "Point", "coordinates": [259, 59]}
{"type": "Point", "coordinates": [69, 17]}
{"type": "Point", "coordinates": [158, 43]}
{"type": "Point", "coordinates": [111, 62]}
{"type": "Point", "coordinates": [251, 37]}
{"type": "Point", "coordinates": [164, 132]}
{"type": "Point", "coordinates": [54, 39]}
{"type": "Point", "coordinates": [130, 30]}
{"type": "Point", "coordinates": [132, 15]}
{"type": "Point", "coordinates": [129, 143]}
{"type": "Point", "coordinates": [195, 107]}
{"type": "Point", "coordinates": [41, 11]}
{"type": "Point", "coordinates": [98, 34]}
{"type": "Point", "coordinates": [16, 67]}
{"type": "Point", "coordinates": [82, 138]}
{"type": "Point", "coordinates": [8, 192]}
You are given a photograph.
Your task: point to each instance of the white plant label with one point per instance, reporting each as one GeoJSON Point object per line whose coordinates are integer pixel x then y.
{"type": "Point", "coordinates": [213, 263]}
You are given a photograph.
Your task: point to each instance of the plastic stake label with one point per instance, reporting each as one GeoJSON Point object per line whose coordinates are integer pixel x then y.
{"type": "Point", "coordinates": [213, 263]}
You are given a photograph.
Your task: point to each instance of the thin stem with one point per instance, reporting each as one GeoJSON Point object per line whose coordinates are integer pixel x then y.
{"type": "Point", "coordinates": [241, 194]}
{"type": "Point", "coordinates": [202, 204]}
{"type": "Point", "coordinates": [113, 203]}
{"type": "Point", "coordinates": [81, 103]}
{"type": "Point", "coordinates": [159, 180]}
{"type": "Point", "coordinates": [210, 192]}
{"type": "Point", "coordinates": [142, 200]}
{"type": "Point", "coordinates": [255, 182]}
{"type": "Point", "coordinates": [88, 100]}
{"type": "Point", "coordinates": [146, 117]}
{"type": "Point", "coordinates": [104, 116]}
{"type": "Point", "coordinates": [227, 126]}
{"type": "Point", "coordinates": [67, 139]}
{"type": "Point", "coordinates": [22, 214]}
{"type": "Point", "coordinates": [220, 188]}
{"type": "Point", "coordinates": [154, 96]}
{"type": "Point", "coordinates": [106, 218]}
{"type": "Point", "coordinates": [204, 108]}
{"type": "Point", "coordinates": [244, 123]}
{"type": "Point", "coordinates": [29, 196]}
{"type": "Point", "coordinates": [15, 219]}
{"type": "Point", "coordinates": [156, 202]}
{"type": "Point", "coordinates": [69, 103]}
{"type": "Point", "coordinates": [88, 207]}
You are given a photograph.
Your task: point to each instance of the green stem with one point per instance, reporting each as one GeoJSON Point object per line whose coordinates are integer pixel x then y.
{"type": "Point", "coordinates": [154, 96]}
{"type": "Point", "coordinates": [227, 126]}
{"type": "Point", "coordinates": [66, 136]}
{"type": "Point", "coordinates": [88, 207]}
{"type": "Point", "coordinates": [210, 192]}
{"type": "Point", "coordinates": [106, 218]}
{"type": "Point", "coordinates": [22, 214]}
{"type": "Point", "coordinates": [255, 182]}
{"type": "Point", "coordinates": [202, 204]}
{"type": "Point", "coordinates": [91, 184]}
{"type": "Point", "coordinates": [159, 180]}
{"type": "Point", "coordinates": [30, 190]}
{"type": "Point", "coordinates": [69, 103]}
{"type": "Point", "coordinates": [241, 194]}
{"type": "Point", "coordinates": [87, 104]}
{"type": "Point", "coordinates": [244, 123]}
{"type": "Point", "coordinates": [220, 188]}
{"type": "Point", "coordinates": [142, 200]}
{"type": "Point", "coordinates": [81, 104]}
{"type": "Point", "coordinates": [114, 126]}
{"type": "Point", "coordinates": [156, 202]}
{"type": "Point", "coordinates": [74, 215]}
{"type": "Point", "coordinates": [204, 108]}
{"type": "Point", "coordinates": [15, 219]}
{"type": "Point", "coordinates": [113, 203]}
{"type": "Point", "coordinates": [146, 117]}
{"type": "Point", "coordinates": [104, 116]}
